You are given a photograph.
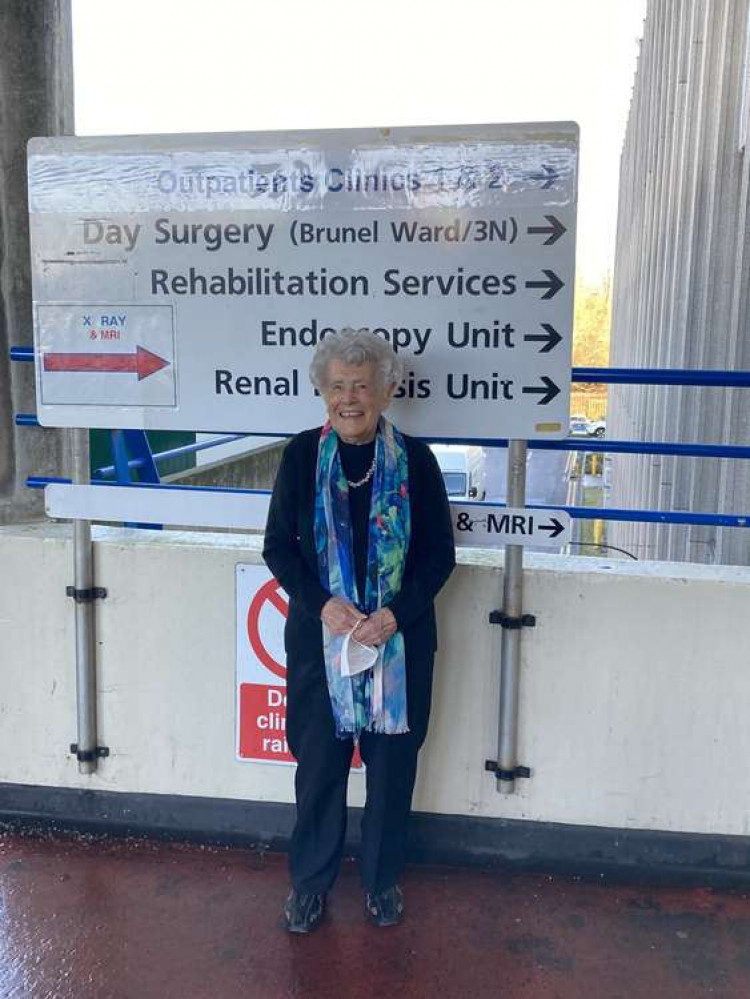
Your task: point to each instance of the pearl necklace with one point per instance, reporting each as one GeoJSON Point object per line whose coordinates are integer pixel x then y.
{"type": "Point", "coordinates": [366, 478]}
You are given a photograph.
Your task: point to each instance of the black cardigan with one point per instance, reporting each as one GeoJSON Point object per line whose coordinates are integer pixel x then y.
{"type": "Point", "coordinates": [289, 549]}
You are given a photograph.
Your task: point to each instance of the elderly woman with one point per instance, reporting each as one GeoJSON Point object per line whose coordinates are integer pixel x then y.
{"type": "Point", "coordinates": [359, 535]}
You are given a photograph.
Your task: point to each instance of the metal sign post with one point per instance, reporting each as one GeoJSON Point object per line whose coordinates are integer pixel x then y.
{"type": "Point", "coordinates": [84, 593]}
{"type": "Point", "coordinates": [512, 620]}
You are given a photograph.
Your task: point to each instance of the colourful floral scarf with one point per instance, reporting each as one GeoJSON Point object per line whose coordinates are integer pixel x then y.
{"type": "Point", "coordinates": [375, 700]}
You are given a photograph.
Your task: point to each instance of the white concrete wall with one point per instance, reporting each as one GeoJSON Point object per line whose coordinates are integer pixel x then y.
{"type": "Point", "coordinates": [634, 695]}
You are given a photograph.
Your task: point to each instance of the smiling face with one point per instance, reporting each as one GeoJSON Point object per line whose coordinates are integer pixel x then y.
{"type": "Point", "coordinates": [355, 399]}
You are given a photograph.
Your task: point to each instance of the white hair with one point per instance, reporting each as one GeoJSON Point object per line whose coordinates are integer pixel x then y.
{"type": "Point", "coordinates": [352, 346]}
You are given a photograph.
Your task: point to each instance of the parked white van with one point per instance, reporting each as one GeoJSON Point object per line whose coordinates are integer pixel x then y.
{"type": "Point", "coordinates": [463, 470]}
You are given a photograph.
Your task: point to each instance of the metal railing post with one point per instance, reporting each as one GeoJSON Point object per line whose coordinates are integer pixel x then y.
{"type": "Point", "coordinates": [581, 494]}
{"type": "Point", "coordinates": [510, 654]}
{"type": "Point", "coordinates": [83, 585]}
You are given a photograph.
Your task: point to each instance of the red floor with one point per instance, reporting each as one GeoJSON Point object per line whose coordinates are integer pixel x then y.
{"type": "Point", "coordinates": [114, 919]}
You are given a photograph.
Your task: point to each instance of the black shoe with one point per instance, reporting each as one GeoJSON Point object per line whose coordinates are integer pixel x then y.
{"type": "Point", "coordinates": [302, 913]}
{"type": "Point", "coordinates": [385, 908]}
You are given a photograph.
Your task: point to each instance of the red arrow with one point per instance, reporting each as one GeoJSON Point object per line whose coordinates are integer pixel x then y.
{"type": "Point", "coordinates": [143, 362]}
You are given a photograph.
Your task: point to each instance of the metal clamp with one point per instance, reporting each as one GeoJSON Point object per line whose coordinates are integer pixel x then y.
{"type": "Point", "coordinates": [86, 596]}
{"type": "Point", "coordinates": [88, 755]}
{"type": "Point", "coordinates": [506, 775]}
{"type": "Point", "coordinates": [512, 623]}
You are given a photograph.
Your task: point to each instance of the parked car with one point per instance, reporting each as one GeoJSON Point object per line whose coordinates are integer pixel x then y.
{"type": "Point", "coordinates": [581, 427]}
{"type": "Point", "coordinates": [463, 470]}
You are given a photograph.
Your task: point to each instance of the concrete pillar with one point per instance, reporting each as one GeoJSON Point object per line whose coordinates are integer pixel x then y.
{"type": "Point", "coordinates": [36, 98]}
{"type": "Point", "coordinates": [734, 543]}
{"type": "Point", "coordinates": [682, 272]}
{"type": "Point", "coordinates": [662, 328]}
{"type": "Point", "coordinates": [686, 178]}
{"type": "Point", "coordinates": [654, 319]}
{"type": "Point", "coordinates": [714, 271]}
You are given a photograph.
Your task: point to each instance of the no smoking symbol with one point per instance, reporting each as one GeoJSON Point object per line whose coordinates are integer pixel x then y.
{"type": "Point", "coordinates": [269, 592]}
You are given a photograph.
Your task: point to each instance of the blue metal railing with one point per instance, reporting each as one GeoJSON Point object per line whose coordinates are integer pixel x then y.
{"type": "Point", "coordinates": [601, 444]}
{"type": "Point", "coordinates": [21, 353]}
{"type": "Point", "coordinates": [579, 512]}
{"type": "Point", "coordinates": [612, 376]}
{"type": "Point", "coordinates": [109, 471]}
{"type": "Point", "coordinates": [662, 376]}
{"type": "Point", "coordinates": [598, 445]}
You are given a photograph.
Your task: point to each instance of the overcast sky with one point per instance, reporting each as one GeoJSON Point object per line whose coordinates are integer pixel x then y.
{"type": "Point", "coordinates": [230, 65]}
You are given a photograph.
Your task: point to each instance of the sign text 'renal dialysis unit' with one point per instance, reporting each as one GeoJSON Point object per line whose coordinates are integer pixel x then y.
{"type": "Point", "coordinates": [181, 282]}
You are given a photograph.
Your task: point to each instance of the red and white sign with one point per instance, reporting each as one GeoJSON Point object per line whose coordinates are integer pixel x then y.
{"type": "Point", "coordinates": [262, 609]}
{"type": "Point", "coordinates": [267, 648]}
{"type": "Point", "coordinates": [119, 355]}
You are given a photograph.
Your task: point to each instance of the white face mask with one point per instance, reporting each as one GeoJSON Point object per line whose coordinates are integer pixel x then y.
{"type": "Point", "coordinates": [356, 657]}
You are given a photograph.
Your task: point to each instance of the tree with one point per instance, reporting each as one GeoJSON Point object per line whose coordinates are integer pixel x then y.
{"type": "Point", "coordinates": [592, 319]}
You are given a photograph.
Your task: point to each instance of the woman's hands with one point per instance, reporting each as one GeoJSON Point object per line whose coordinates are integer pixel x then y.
{"type": "Point", "coordinates": [377, 628]}
{"type": "Point", "coordinates": [341, 616]}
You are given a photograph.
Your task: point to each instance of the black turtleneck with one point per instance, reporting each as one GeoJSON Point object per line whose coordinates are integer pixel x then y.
{"type": "Point", "coordinates": [355, 461]}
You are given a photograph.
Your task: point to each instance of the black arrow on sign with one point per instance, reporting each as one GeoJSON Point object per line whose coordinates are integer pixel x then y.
{"type": "Point", "coordinates": [554, 528]}
{"type": "Point", "coordinates": [553, 231]}
{"type": "Point", "coordinates": [553, 284]}
{"type": "Point", "coordinates": [549, 390]}
{"type": "Point", "coordinates": [551, 338]}
{"type": "Point", "coordinates": [549, 176]}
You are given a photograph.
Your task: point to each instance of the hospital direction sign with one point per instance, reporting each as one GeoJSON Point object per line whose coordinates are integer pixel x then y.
{"type": "Point", "coordinates": [483, 525]}
{"type": "Point", "coordinates": [181, 282]}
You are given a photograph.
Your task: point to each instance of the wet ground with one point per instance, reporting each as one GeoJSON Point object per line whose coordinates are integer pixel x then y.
{"type": "Point", "coordinates": [85, 918]}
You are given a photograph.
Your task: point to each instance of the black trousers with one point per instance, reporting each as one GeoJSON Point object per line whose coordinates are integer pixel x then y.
{"type": "Point", "coordinates": [323, 763]}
